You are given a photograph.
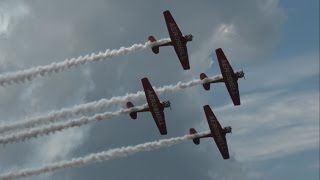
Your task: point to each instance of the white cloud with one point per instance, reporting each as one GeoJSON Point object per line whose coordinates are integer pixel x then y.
{"type": "Point", "coordinates": [4, 24]}
{"type": "Point", "coordinates": [271, 125]}
{"type": "Point", "coordinates": [283, 72]}
{"type": "Point", "coordinates": [59, 146]}
{"type": "Point", "coordinates": [10, 14]}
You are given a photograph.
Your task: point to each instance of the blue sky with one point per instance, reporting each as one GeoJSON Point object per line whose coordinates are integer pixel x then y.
{"type": "Point", "coordinates": [275, 130]}
{"type": "Point", "coordinates": [301, 29]}
{"type": "Point", "coordinates": [300, 35]}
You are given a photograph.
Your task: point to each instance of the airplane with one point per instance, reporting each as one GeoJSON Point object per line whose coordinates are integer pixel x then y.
{"type": "Point", "coordinates": [216, 131]}
{"type": "Point", "coordinates": [229, 77]}
{"type": "Point", "coordinates": [178, 41]}
{"type": "Point", "coordinates": [154, 106]}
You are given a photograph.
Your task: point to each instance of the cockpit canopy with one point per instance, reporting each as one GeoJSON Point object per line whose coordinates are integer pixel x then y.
{"type": "Point", "coordinates": [188, 37]}
{"type": "Point", "coordinates": [228, 129]}
{"type": "Point", "coordinates": [166, 104]}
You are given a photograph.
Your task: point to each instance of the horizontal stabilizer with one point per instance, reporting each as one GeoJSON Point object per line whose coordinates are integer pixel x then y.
{"type": "Point", "coordinates": [196, 141]}
{"type": "Point", "coordinates": [206, 86]}
{"type": "Point", "coordinates": [155, 49]}
{"type": "Point", "coordinates": [133, 115]}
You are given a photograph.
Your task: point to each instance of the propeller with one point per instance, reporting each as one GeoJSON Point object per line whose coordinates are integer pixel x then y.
{"type": "Point", "coordinates": [167, 104]}
{"type": "Point", "coordinates": [241, 74]}
{"type": "Point", "coordinates": [228, 129]}
{"type": "Point", "coordinates": [189, 37]}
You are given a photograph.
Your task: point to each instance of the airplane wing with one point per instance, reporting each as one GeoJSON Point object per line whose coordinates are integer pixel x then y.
{"type": "Point", "coordinates": [156, 108]}
{"type": "Point", "coordinates": [217, 132]}
{"type": "Point", "coordinates": [229, 77]}
{"type": "Point", "coordinates": [179, 44]}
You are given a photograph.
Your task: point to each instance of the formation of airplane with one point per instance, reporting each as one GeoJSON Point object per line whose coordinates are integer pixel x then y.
{"type": "Point", "coordinates": [228, 76]}
{"type": "Point", "coordinates": [154, 106]}
{"type": "Point", "coordinates": [178, 41]}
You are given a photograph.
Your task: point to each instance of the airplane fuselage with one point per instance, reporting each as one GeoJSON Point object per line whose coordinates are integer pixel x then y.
{"type": "Point", "coordinates": [233, 76]}
{"type": "Point", "coordinates": [184, 41]}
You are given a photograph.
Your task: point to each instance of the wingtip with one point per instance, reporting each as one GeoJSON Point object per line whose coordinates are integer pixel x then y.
{"type": "Point", "coordinates": [206, 106]}
{"type": "Point", "coordinates": [144, 79]}
{"type": "Point", "coordinates": [164, 132]}
{"type": "Point", "coordinates": [237, 103]}
{"type": "Point", "coordinates": [218, 49]}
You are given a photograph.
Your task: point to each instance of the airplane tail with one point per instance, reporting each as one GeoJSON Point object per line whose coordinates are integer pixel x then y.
{"type": "Point", "coordinates": [206, 86]}
{"type": "Point", "coordinates": [196, 141]}
{"type": "Point", "coordinates": [133, 115]}
{"type": "Point", "coordinates": [155, 49]}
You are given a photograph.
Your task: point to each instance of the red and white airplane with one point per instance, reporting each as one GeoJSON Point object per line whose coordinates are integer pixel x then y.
{"type": "Point", "coordinates": [229, 77]}
{"type": "Point", "coordinates": [178, 41]}
{"type": "Point", "coordinates": [216, 131]}
{"type": "Point", "coordinates": [154, 106]}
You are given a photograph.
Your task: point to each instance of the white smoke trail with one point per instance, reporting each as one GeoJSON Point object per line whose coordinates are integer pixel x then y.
{"type": "Point", "coordinates": [98, 157]}
{"type": "Point", "coordinates": [46, 130]}
{"type": "Point", "coordinates": [55, 67]}
{"type": "Point", "coordinates": [55, 116]}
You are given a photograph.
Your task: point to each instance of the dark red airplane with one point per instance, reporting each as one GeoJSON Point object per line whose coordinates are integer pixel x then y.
{"type": "Point", "coordinates": [178, 41]}
{"type": "Point", "coordinates": [216, 131]}
{"type": "Point", "coordinates": [154, 106]}
{"type": "Point", "coordinates": [229, 77]}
